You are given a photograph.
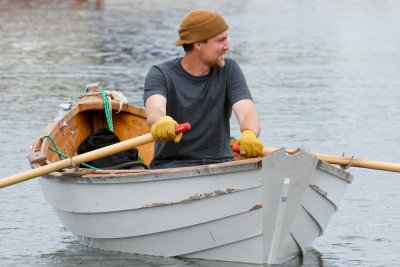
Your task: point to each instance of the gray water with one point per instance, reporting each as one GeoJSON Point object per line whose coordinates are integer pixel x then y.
{"type": "Point", "coordinates": [325, 76]}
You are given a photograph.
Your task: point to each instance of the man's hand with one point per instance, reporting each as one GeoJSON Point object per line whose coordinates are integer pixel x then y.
{"type": "Point", "coordinates": [164, 130]}
{"type": "Point", "coordinates": [250, 145]}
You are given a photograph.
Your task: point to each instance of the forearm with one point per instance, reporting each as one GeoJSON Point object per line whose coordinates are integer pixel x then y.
{"type": "Point", "coordinates": [153, 115]}
{"type": "Point", "coordinates": [247, 116]}
{"type": "Point", "coordinates": [155, 108]}
{"type": "Point", "coordinates": [250, 145]}
{"type": "Point", "coordinates": [251, 122]}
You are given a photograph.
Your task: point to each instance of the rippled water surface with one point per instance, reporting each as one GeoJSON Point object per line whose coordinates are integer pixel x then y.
{"type": "Point", "coordinates": [324, 75]}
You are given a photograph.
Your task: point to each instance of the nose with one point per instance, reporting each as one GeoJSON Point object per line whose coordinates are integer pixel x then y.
{"type": "Point", "coordinates": [226, 45]}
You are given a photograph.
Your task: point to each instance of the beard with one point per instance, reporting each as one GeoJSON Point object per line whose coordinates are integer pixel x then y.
{"type": "Point", "coordinates": [218, 62]}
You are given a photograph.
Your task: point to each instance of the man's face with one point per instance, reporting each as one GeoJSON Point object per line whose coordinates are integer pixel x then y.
{"type": "Point", "coordinates": [213, 50]}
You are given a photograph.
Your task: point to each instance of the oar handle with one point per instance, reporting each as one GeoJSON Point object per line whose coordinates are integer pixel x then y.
{"type": "Point", "coordinates": [89, 156]}
{"type": "Point", "coordinates": [181, 128]}
{"type": "Point", "coordinates": [236, 148]}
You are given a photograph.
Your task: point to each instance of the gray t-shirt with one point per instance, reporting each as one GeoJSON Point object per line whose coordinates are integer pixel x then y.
{"type": "Point", "coordinates": [205, 102]}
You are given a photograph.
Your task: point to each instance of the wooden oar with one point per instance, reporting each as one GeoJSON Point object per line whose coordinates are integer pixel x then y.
{"type": "Point", "coordinates": [341, 160]}
{"type": "Point", "coordinates": [89, 156]}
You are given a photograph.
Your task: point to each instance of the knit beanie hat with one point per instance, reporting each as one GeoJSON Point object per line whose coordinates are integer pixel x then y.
{"type": "Point", "coordinates": [200, 25]}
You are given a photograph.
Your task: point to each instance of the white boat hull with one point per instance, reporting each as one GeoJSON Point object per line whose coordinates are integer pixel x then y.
{"type": "Point", "coordinates": [255, 211]}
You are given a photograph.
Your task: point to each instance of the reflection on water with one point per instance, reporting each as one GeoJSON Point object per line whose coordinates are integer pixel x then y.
{"type": "Point", "coordinates": [74, 254]}
{"type": "Point", "coordinates": [324, 76]}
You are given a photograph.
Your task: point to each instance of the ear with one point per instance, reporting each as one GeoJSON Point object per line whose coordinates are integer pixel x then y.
{"type": "Point", "coordinates": [197, 46]}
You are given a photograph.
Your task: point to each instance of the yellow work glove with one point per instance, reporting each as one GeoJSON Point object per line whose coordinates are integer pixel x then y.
{"type": "Point", "coordinates": [250, 145]}
{"type": "Point", "coordinates": [164, 130]}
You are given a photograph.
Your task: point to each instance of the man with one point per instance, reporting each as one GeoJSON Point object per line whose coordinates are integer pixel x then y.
{"type": "Point", "coordinates": [201, 88]}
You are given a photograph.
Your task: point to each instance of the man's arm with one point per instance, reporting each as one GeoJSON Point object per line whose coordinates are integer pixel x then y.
{"type": "Point", "coordinates": [250, 145]}
{"type": "Point", "coordinates": [162, 126]}
{"type": "Point", "coordinates": [155, 108]}
{"type": "Point", "coordinates": [247, 116]}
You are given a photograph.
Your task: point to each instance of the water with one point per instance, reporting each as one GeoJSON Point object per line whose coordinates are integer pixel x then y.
{"type": "Point", "coordinates": [324, 75]}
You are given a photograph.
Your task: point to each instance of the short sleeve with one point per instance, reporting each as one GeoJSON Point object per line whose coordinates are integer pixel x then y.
{"type": "Point", "coordinates": [237, 85]}
{"type": "Point", "coordinates": [154, 83]}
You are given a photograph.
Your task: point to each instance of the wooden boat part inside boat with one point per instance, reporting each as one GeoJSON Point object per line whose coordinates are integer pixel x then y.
{"type": "Point", "coordinates": [75, 123]}
{"type": "Point", "coordinates": [264, 210]}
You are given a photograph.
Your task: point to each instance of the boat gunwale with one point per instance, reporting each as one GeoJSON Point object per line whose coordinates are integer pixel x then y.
{"type": "Point", "coordinates": [338, 172]}
{"type": "Point", "coordinates": [149, 175]}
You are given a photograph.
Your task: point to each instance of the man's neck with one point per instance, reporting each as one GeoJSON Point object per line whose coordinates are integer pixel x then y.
{"type": "Point", "coordinates": [194, 65]}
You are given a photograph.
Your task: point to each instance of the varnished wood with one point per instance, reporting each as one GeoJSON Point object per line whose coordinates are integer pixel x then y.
{"type": "Point", "coordinates": [85, 117]}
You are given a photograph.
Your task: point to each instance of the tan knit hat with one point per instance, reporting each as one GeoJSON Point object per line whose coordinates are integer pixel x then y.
{"type": "Point", "coordinates": [200, 25]}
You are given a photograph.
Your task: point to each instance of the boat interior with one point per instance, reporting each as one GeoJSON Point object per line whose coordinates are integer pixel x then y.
{"type": "Point", "coordinates": [75, 123]}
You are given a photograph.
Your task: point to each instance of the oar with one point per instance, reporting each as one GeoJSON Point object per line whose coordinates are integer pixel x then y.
{"type": "Point", "coordinates": [82, 158]}
{"type": "Point", "coordinates": [341, 160]}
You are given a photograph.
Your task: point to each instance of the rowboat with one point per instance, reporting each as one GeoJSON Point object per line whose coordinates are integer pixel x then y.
{"type": "Point", "coordinates": [263, 210]}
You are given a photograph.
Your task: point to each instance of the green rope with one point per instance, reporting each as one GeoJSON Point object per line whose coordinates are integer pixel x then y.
{"type": "Point", "coordinates": [60, 154]}
{"type": "Point", "coordinates": [54, 144]}
{"type": "Point", "coordinates": [107, 110]}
